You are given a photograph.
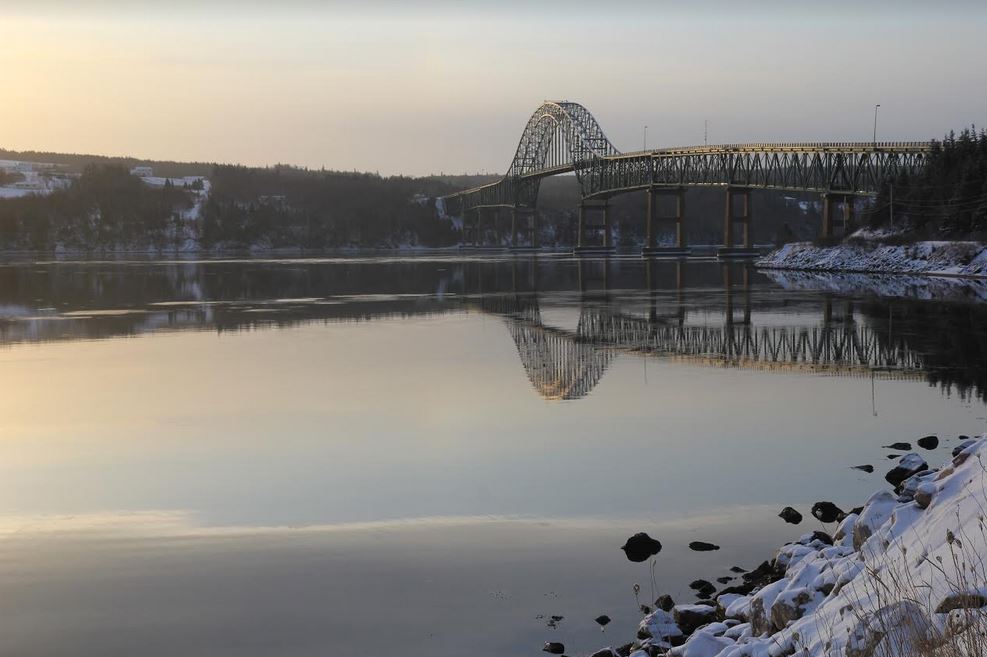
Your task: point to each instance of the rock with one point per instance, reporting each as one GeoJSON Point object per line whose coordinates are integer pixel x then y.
{"type": "Point", "coordinates": [790, 515]}
{"type": "Point", "coordinates": [737, 569]}
{"type": "Point", "coordinates": [553, 648]}
{"type": "Point", "coordinates": [640, 547]}
{"type": "Point", "coordinates": [826, 511]}
{"type": "Point", "coordinates": [963, 445]}
{"type": "Point", "coordinates": [724, 579]}
{"type": "Point", "coordinates": [912, 631]}
{"type": "Point", "coordinates": [625, 650]}
{"type": "Point", "coordinates": [908, 465]}
{"type": "Point", "coordinates": [700, 546]}
{"type": "Point", "coordinates": [740, 589]}
{"type": "Point", "coordinates": [893, 456]}
{"type": "Point", "coordinates": [876, 512]}
{"type": "Point", "coordinates": [822, 537]}
{"type": "Point", "coordinates": [928, 442]}
{"type": "Point", "coordinates": [790, 606]}
{"type": "Point", "coordinates": [702, 587]}
{"type": "Point", "coordinates": [606, 652]}
{"type": "Point", "coordinates": [661, 625]}
{"type": "Point", "coordinates": [864, 468]}
{"type": "Point", "coordinates": [645, 609]}
{"type": "Point", "coordinates": [962, 600]}
{"type": "Point", "coordinates": [602, 620]}
{"type": "Point", "coordinates": [764, 574]}
{"type": "Point", "coordinates": [703, 644]}
{"type": "Point", "coordinates": [691, 617]}
{"type": "Point", "coordinates": [924, 494]}
{"type": "Point", "coordinates": [665, 602]}
{"type": "Point", "coordinates": [899, 446]}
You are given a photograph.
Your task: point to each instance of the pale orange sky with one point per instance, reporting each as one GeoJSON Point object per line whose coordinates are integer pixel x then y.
{"type": "Point", "coordinates": [448, 86]}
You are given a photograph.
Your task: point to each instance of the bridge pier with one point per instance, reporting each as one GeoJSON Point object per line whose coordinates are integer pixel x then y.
{"type": "Point", "coordinates": [526, 220]}
{"type": "Point", "coordinates": [830, 199]}
{"type": "Point", "coordinates": [729, 250]}
{"type": "Point", "coordinates": [651, 247]}
{"type": "Point", "coordinates": [582, 243]}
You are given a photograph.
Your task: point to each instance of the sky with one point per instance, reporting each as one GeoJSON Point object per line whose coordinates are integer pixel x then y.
{"type": "Point", "coordinates": [442, 86]}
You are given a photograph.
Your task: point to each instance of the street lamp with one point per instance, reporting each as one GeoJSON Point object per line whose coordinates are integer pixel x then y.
{"type": "Point", "coordinates": [875, 125]}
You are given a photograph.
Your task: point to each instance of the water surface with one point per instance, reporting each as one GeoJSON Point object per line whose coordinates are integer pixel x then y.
{"type": "Point", "coordinates": [421, 455]}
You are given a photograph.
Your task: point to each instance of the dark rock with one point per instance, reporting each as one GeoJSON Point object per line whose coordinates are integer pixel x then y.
{"type": "Point", "coordinates": [963, 445]}
{"type": "Point", "coordinates": [724, 579]}
{"type": "Point", "coordinates": [643, 633]}
{"type": "Point", "coordinates": [645, 609]}
{"type": "Point", "coordinates": [822, 537]}
{"type": "Point", "coordinates": [691, 617]}
{"type": "Point", "coordinates": [704, 595]}
{"type": "Point", "coordinates": [640, 547]}
{"type": "Point", "coordinates": [553, 648]}
{"type": "Point", "coordinates": [737, 569]}
{"type": "Point", "coordinates": [929, 442]}
{"type": "Point", "coordinates": [893, 456]}
{"type": "Point", "coordinates": [857, 510]}
{"type": "Point", "coordinates": [790, 515]}
{"type": "Point", "coordinates": [665, 602]}
{"type": "Point", "coordinates": [602, 620]}
{"type": "Point", "coordinates": [702, 586]}
{"type": "Point", "coordinates": [625, 649]}
{"type": "Point", "coordinates": [740, 589]}
{"type": "Point", "coordinates": [826, 511]}
{"type": "Point", "coordinates": [863, 468]}
{"type": "Point", "coordinates": [701, 546]}
{"type": "Point", "coordinates": [558, 618]}
{"type": "Point", "coordinates": [764, 574]}
{"type": "Point", "coordinates": [899, 446]}
{"type": "Point", "coordinates": [606, 652]}
{"type": "Point", "coordinates": [961, 600]}
{"type": "Point", "coordinates": [908, 465]}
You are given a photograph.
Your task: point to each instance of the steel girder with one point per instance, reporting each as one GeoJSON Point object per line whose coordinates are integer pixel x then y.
{"type": "Point", "coordinates": [563, 137]}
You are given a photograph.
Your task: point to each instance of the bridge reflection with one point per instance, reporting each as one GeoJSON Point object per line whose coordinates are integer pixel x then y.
{"type": "Point", "coordinates": [569, 318]}
{"type": "Point", "coordinates": [566, 363]}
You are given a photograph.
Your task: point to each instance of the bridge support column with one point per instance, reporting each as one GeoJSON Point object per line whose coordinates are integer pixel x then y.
{"type": "Point", "coordinates": [514, 213]}
{"type": "Point", "coordinates": [583, 244]}
{"type": "Point", "coordinates": [829, 200]}
{"type": "Point", "coordinates": [651, 247]}
{"type": "Point", "coordinates": [526, 220]}
{"type": "Point", "coordinates": [729, 250]}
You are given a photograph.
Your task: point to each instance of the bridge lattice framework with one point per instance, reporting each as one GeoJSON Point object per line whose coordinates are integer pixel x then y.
{"type": "Point", "coordinates": [563, 137]}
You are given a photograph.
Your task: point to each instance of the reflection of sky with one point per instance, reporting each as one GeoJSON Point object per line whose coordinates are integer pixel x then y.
{"type": "Point", "coordinates": [392, 419]}
{"type": "Point", "coordinates": [328, 486]}
{"type": "Point", "coordinates": [155, 585]}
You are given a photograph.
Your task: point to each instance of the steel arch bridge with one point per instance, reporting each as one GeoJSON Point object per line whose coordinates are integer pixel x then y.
{"type": "Point", "coordinates": [563, 137]}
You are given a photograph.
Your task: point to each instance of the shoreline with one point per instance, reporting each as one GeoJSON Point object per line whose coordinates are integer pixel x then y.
{"type": "Point", "coordinates": [900, 575]}
{"type": "Point", "coordinates": [943, 259]}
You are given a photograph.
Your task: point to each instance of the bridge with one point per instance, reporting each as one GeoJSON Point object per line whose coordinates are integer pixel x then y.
{"type": "Point", "coordinates": [563, 137]}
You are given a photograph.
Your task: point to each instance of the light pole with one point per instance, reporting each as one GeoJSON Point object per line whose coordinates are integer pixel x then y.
{"type": "Point", "coordinates": [875, 125]}
{"type": "Point", "coordinates": [645, 137]}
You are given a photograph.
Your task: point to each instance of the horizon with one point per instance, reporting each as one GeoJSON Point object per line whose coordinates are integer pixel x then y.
{"type": "Point", "coordinates": [400, 91]}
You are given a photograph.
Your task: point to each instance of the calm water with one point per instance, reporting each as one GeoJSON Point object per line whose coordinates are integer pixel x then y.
{"type": "Point", "coordinates": [430, 456]}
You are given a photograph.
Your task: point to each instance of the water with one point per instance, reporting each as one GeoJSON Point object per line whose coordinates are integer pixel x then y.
{"type": "Point", "coordinates": [434, 455]}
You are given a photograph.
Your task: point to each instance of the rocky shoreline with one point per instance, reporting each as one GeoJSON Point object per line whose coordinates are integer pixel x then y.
{"type": "Point", "coordinates": [862, 255]}
{"type": "Point", "coordinates": [900, 575]}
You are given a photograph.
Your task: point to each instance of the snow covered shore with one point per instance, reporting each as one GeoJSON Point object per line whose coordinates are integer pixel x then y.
{"type": "Point", "coordinates": [940, 258]}
{"type": "Point", "coordinates": [902, 576]}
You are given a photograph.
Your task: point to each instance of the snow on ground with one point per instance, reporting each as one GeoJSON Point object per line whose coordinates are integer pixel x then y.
{"type": "Point", "coordinates": [902, 576]}
{"type": "Point", "coordinates": [942, 258]}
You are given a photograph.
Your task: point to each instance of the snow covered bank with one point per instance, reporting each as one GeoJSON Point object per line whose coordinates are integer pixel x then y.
{"type": "Point", "coordinates": [902, 576]}
{"type": "Point", "coordinates": [942, 258]}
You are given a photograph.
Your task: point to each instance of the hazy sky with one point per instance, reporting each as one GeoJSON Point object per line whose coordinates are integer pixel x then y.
{"type": "Point", "coordinates": [402, 87]}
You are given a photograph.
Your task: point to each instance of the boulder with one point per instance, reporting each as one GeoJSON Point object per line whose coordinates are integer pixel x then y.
{"type": "Point", "coordinates": [924, 494]}
{"type": "Point", "coordinates": [863, 468]}
{"type": "Point", "coordinates": [703, 644]}
{"type": "Point", "coordinates": [664, 602]}
{"type": "Point", "coordinates": [974, 599]}
{"type": "Point", "coordinates": [702, 546]}
{"type": "Point", "coordinates": [908, 465]}
{"type": "Point", "coordinates": [790, 515]}
{"type": "Point", "coordinates": [904, 447]}
{"type": "Point", "coordinates": [640, 547]}
{"type": "Point", "coordinates": [877, 510]}
{"type": "Point", "coordinates": [826, 512]}
{"type": "Point", "coordinates": [691, 617]}
{"type": "Point", "coordinates": [553, 648]}
{"type": "Point", "coordinates": [928, 442]}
